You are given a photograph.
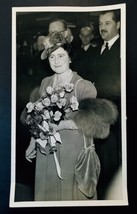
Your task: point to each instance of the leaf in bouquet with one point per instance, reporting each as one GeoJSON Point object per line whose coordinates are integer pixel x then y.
{"type": "Point", "coordinates": [30, 107]}
{"type": "Point", "coordinates": [43, 136]}
{"type": "Point", "coordinates": [29, 120]}
{"type": "Point", "coordinates": [67, 110]}
{"type": "Point", "coordinates": [42, 143]}
{"type": "Point", "coordinates": [51, 113]}
{"type": "Point", "coordinates": [45, 125]}
{"type": "Point", "coordinates": [52, 144]}
{"type": "Point", "coordinates": [42, 128]}
{"type": "Point", "coordinates": [42, 150]}
{"type": "Point", "coordinates": [52, 141]}
{"type": "Point", "coordinates": [34, 129]}
{"type": "Point", "coordinates": [57, 137]}
{"type": "Point", "coordinates": [37, 118]}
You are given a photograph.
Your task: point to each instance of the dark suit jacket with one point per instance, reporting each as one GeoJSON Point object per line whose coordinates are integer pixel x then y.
{"type": "Point", "coordinates": [82, 62]}
{"type": "Point", "coordinates": [107, 72]}
{"type": "Point", "coordinates": [107, 82]}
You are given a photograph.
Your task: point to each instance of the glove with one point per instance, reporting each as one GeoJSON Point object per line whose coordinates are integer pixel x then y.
{"type": "Point", "coordinates": [64, 124]}
{"type": "Point", "coordinates": [31, 152]}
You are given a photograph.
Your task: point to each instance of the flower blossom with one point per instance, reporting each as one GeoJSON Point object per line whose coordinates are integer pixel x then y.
{"type": "Point", "coordinates": [30, 107]}
{"type": "Point", "coordinates": [61, 103]}
{"type": "Point", "coordinates": [62, 94]}
{"type": "Point", "coordinates": [46, 115]}
{"type": "Point", "coordinates": [49, 90]}
{"type": "Point", "coordinates": [54, 98]}
{"type": "Point", "coordinates": [57, 115]}
{"type": "Point", "coordinates": [69, 87]}
{"type": "Point", "coordinates": [39, 106]}
{"type": "Point", "coordinates": [46, 102]}
{"type": "Point", "coordinates": [74, 103]}
{"type": "Point", "coordinates": [58, 89]}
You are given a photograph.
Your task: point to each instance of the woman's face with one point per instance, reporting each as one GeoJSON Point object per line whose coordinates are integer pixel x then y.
{"type": "Point", "coordinates": [59, 61]}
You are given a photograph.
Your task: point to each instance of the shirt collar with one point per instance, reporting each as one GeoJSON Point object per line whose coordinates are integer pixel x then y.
{"type": "Point", "coordinates": [86, 47]}
{"type": "Point", "coordinates": [111, 42]}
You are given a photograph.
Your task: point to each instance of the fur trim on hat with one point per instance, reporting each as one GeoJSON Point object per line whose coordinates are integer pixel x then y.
{"type": "Point", "coordinates": [95, 117]}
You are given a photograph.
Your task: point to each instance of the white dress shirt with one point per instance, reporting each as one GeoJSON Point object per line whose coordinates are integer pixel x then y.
{"type": "Point", "coordinates": [110, 43]}
{"type": "Point", "coordinates": [86, 47]}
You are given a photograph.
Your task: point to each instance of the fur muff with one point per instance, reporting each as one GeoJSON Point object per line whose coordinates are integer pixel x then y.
{"type": "Point", "coordinates": [95, 117]}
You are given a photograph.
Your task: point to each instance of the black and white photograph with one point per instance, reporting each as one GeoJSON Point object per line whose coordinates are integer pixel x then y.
{"type": "Point", "coordinates": [68, 128]}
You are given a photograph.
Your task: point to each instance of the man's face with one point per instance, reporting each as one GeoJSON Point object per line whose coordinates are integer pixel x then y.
{"type": "Point", "coordinates": [107, 26]}
{"type": "Point", "coordinates": [85, 37]}
{"type": "Point", "coordinates": [57, 26]}
{"type": "Point", "coordinates": [40, 45]}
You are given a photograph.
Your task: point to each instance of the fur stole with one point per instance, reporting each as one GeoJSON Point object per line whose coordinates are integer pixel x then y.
{"type": "Point", "coordinates": [95, 117]}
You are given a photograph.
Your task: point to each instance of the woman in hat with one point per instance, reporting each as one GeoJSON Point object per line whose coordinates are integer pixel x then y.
{"type": "Point", "coordinates": [74, 173]}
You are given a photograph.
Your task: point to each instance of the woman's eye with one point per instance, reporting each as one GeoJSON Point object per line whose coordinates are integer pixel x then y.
{"type": "Point", "coordinates": [61, 55]}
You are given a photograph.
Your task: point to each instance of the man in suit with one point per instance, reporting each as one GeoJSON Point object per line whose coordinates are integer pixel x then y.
{"type": "Point", "coordinates": [84, 54]}
{"type": "Point", "coordinates": [107, 63]}
{"type": "Point", "coordinates": [107, 81]}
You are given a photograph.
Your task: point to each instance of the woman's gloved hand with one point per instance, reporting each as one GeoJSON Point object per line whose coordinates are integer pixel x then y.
{"type": "Point", "coordinates": [64, 124]}
{"type": "Point", "coordinates": [31, 150]}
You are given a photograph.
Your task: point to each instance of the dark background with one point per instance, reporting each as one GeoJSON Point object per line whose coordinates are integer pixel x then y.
{"type": "Point", "coordinates": [5, 97]}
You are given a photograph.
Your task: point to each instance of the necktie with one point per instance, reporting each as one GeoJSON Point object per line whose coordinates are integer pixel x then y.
{"type": "Point", "coordinates": [106, 49]}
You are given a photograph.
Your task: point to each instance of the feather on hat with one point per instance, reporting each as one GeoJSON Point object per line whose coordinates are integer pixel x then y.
{"type": "Point", "coordinates": [51, 43]}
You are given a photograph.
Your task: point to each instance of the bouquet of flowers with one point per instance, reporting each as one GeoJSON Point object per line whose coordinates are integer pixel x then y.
{"type": "Point", "coordinates": [51, 108]}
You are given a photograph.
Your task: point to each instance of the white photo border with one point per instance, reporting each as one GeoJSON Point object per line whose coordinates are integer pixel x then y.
{"type": "Point", "coordinates": [124, 201]}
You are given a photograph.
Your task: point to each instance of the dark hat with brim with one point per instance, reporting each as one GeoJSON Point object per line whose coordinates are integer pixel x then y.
{"type": "Point", "coordinates": [52, 43]}
{"type": "Point", "coordinates": [46, 53]}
